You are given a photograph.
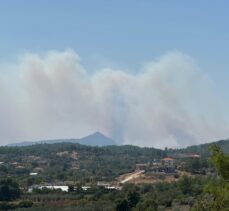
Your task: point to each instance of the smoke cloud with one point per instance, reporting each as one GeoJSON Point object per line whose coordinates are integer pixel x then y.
{"type": "Point", "coordinates": [169, 102]}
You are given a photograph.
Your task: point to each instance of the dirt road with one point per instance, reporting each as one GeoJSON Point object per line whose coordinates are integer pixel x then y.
{"type": "Point", "coordinates": [132, 176]}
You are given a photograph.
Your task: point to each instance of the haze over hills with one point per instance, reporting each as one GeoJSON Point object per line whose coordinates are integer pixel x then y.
{"type": "Point", "coordinates": [99, 139]}
{"type": "Point", "coordinates": [95, 139]}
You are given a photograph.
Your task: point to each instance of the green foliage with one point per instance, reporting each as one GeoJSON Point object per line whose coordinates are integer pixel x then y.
{"type": "Point", "coordinates": [7, 206]}
{"type": "Point", "coordinates": [133, 198]}
{"type": "Point", "coordinates": [196, 165]}
{"type": "Point", "coordinates": [130, 199]}
{"type": "Point", "coordinates": [122, 205]}
{"type": "Point", "coordinates": [202, 149]}
{"type": "Point", "coordinates": [93, 163]}
{"type": "Point", "coordinates": [25, 204]}
{"type": "Point", "coordinates": [149, 204]}
{"type": "Point", "coordinates": [9, 190]}
{"type": "Point", "coordinates": [106, 163]}
{"type": "Point", "coordinates": [220, 161]}
{"type": "Point", "coordinates": [216, 195]}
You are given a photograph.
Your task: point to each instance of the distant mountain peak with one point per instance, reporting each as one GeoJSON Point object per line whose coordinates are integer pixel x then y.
{"type": "Point", "coordinates": [97, 134]}
{"type": "Point", "coordinates": [97, 139]}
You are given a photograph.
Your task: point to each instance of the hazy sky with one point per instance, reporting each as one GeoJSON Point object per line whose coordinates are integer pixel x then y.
{"type": "Point", "coordinates": [149, 73]}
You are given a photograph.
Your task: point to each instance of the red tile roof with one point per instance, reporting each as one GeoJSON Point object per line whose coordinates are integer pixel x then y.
{"type": "Point", "coordinates": [167, 158]}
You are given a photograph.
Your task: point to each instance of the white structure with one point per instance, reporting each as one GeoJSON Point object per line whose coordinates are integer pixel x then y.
{"type": "Point", "coordinates": [33, 174]}
{"type": "Point", "coordinates": [85, 188]}
{"type": "Point", "coordinates": [52, 187]}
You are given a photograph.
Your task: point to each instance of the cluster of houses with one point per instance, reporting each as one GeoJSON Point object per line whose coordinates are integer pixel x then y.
{"type": "Point", "coordinates": [41, 163]}
{"type": "Point", "coordinates": [165, 165]}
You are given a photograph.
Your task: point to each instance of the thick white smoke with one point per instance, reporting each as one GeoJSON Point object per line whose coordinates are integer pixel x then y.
{"type": "Point", "coordinates": [169, 102]}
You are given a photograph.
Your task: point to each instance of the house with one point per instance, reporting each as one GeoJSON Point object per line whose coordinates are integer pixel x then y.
{"type": "Point", "coordinates": [167, 162]}
{"type": "Point", "coordinates": [168, 165]}
{"type": "Point", "coordinates": [185, 155]}
{"type": "Point", "coordinates": [74, 155]}
{"type": "Point", "coordinates": [114, 188]}
{"type": "Point", "coordinates": [38, 170]}
{"type": "Point", "coordinates": [141, 166]}
{"type": "Point", "coordinates": [63, 188]}
{"type": "Point", "coordinates": [33, 174]}
{"type": "Point", "coordinates": [85, 188]}
{"type": "Point", "coordinates": [103, 184]}
{"type": "Point", "coordinates": [62, 154]}
{"type": "Point", "coordinates": [195, 156]}
{"type": "Point", "coordinates": [15, 163]}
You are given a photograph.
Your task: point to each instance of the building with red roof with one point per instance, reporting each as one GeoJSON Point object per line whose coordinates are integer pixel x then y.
{"type": "Point", "coordinates": [167, 162]}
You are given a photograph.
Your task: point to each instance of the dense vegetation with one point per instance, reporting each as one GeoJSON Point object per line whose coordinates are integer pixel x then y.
{"type": "Point", "coordinates": [207, 190]}
{"type": "Point", "coordinates": [202, 148]}
{"type": "Point", "coordinates": [216, 192]}
{"type": "Point", "coordinates": [181, 194]}
{"type": "Point", "coordinates": [91, 163]}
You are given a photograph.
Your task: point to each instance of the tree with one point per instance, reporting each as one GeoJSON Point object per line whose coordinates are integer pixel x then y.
{"type": "Point", "coordinates": [185, 185]}
{"type": "Point", "coordinates": [71, 188]}
{"type": "Point", "coordinates": [220, 161]}
{"type": "Point", "coordinates": [9, 190]}
{"type": "Point", "coordinates": [216, 195]}
{"type": "Point", "coordinates": [149, 204]}
{"type": "Point", "coordinates": [133, 198]}
{"type": "Point", "coordinates": [122, 205]}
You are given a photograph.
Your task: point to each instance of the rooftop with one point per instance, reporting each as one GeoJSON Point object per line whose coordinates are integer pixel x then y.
{"type": "Point", "coordinates": [167, 158]}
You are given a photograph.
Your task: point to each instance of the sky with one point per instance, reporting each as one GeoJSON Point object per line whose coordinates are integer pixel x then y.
{"type": "Point", "coordinates": [148, 73]}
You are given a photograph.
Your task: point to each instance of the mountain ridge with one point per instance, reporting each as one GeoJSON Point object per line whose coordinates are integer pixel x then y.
{"type": "Point", "coordinates": [94, 139]}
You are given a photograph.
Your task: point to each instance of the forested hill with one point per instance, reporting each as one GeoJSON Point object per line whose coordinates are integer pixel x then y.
{"type": "Point", "coordinates": [201, 149]}
{"type": "Point", "coordinates": [68, 161]}
{"type": "Point", "coordinates": [46, 150]}
{"type": "Point", "coordinates": [140, 153]}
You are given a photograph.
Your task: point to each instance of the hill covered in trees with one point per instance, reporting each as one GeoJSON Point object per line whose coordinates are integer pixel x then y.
{"type": "Point", "coordinates": [70, 161]}
{"type": "Point", "coordinates": [201, 149]}
{"type": "Point", "coordinates": [85, 165]}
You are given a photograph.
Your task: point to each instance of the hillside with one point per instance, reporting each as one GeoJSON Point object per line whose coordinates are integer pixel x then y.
{"type": "Point", "coordinates": [69, 161]}
{"type": "Point", "coordinates": [201, 149]}
{"type": "Point", "coordinates": [73, 161]}
{"type": "Point", "coordinates": [80, 166]}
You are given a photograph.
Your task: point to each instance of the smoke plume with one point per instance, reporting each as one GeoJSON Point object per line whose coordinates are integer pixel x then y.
{"type": "Point", "coordinates": [169, 102]}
